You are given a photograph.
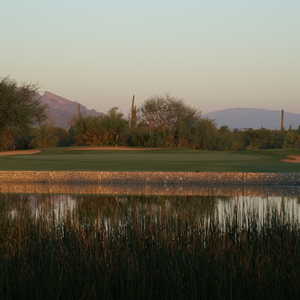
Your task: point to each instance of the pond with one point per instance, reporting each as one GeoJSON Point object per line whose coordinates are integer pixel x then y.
{"type": "Point", "coordinates": [120, 208]}
{"type": "Point", "coordinates": [149, 242]}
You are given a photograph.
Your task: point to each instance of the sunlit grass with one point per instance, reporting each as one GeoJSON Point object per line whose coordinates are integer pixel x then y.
{"type": "Point", "coordinates": [159, 160]}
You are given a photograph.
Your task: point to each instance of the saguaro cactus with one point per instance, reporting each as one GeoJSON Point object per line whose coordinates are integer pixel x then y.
{"type": "Point", "coordinates": [133, 114]}
{"type": "Point", "coordinates": [282, 120]}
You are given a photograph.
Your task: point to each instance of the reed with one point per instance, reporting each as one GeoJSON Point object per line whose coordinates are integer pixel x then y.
{"type": "Point", "coordinates": [80, 255]}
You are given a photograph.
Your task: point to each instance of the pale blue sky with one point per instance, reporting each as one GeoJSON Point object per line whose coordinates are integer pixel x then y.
{"type": "Point", "coordinates": [215, 54]}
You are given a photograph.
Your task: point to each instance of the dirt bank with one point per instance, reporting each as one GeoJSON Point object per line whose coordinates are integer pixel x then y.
{"type": "Point", "coordinates": [110, 148]}
{"type": "Point", "coordinates": [19, 152]}
{"type": "Point", "coordinates": [148, 189]}
{"type": "Point", "coordinates": [294, 159]}
{"type": "Point", "coordinates": [158, 178]}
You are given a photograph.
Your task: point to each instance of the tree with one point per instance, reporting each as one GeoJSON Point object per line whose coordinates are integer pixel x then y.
{"type": "Point", "coordinates": [166, 112]}
{"type": "Point", "coordinates": [107, 129]}
{"type": "Point", "coordinates": [206, 134]}
{"type": "Point", "coordinates": [47, 136]}
{"type": "Point", "coordinates": [114, 125]}
{"type": "Point", "coordinates": [168, 120]}
{"type": "Point", "coordinates": [20, 109]}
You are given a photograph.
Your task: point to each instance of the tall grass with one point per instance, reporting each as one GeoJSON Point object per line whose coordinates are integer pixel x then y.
{"type": "Point", "coordinates": [81, 255]}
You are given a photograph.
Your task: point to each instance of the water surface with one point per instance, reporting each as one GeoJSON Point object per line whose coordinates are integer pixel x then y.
{"type": "Point", "coordinates": [113, 204]}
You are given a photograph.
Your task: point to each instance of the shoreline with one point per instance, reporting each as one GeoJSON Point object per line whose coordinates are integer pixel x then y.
{"type": "Point", "coordinates": [20, 152]}
{"type": "Point", "coordinates": [156, 178]}
{"type": "Point", "coordinates": [150, 190]}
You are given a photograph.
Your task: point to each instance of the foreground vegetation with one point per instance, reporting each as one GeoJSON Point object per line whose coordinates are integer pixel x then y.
{"type": "Point", "coordinates": [158, 160]}
{"type": "Point", "coordinates": [113, 252]}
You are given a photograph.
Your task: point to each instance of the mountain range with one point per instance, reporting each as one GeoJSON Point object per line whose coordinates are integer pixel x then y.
{"type": "Point", "coordinates": [241, 118]}
{"type": "Point", "coordinates": [62, 111]}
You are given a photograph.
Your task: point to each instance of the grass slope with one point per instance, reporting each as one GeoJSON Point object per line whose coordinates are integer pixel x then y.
{"type": "Point", "coordinates": [161, 160]}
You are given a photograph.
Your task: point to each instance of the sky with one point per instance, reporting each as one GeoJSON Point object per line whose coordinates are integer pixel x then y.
{"type": "Point", "coordinates": [214, 54]}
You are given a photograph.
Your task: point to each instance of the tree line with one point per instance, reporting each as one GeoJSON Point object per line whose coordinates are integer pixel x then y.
{"type": "Point", "coordinates": [161, 121]}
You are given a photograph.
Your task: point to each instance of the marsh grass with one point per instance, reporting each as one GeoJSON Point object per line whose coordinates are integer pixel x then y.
{"type": "Point", "coordinates": [237, 255]}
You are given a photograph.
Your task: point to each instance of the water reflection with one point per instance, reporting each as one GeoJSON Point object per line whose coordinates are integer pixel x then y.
{"type": "Point", "coordinates": [121, 208]}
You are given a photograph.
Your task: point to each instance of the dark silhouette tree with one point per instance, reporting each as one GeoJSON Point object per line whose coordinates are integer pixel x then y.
{"type": "Point", "coordinates": [20, 109]}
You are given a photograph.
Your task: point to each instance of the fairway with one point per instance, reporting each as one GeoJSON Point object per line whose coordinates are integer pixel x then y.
{"type": "Point", "coordinates": [161, 160]}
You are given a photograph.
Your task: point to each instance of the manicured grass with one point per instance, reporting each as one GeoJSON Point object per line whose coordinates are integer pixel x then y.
{"type": "Point", "coordinates": [160, 160]}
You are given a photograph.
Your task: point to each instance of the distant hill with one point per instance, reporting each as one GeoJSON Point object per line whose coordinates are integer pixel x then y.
{"type": "Point", "coordinates": [253, 118]}
{"type": "Point", "coordinates": [62, 111]}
